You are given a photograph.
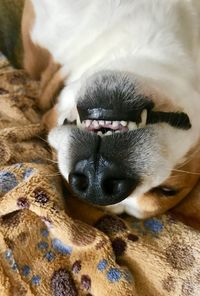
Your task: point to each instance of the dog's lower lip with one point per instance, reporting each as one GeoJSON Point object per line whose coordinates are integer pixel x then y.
{"type": "Point", "coordinates": [109, 115]}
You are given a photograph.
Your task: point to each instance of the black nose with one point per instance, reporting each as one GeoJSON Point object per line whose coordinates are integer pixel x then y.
{"type": "Point", "coordinates": [101, 182]}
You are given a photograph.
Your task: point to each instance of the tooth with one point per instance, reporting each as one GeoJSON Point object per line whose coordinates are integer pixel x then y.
{"type": "Point", "coordinates": [143, 118]}
{"type": "Point", "coordinates": [108, 133]}
{"type": "Point", "coordinates": [124, 123]}
{"type": "Point", "coordinates": [88, 122]}
{"type": "Point", "coordinates": [108, 122]}
{"type": "Point", "coordinates": [117, 132]}
{"type": "Point", "coordinates": [132, 125]}
{"type": "Point", "coordinates": [101, 122]}
{"type": "Point", "coordinates": [100, 134]}
{"type": "Point", "coordinates": [78, 122]}
{"type": "Point", "coordinates": [115, 124]}
{"type": "Point", "coordinates": [95, 124]}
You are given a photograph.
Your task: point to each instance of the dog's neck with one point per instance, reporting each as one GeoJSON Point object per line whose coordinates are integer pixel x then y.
{"type": "Point", "coordinates": [155, 34]}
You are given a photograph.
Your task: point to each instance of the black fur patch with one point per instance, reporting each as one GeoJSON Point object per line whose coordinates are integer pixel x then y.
{"type": "Point", "coordinates": [176, 119]}
{"type": "Point", "coordinates": [114, 96]}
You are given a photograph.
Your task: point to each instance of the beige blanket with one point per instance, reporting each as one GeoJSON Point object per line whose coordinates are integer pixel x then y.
{"type": "Point", "coordinates": [45, 250]}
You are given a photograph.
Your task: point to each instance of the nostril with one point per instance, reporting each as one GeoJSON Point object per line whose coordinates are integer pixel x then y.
{"type": "Point", "coordinates": [79, 181]}
{"type": "Point", "coordinates": [101, 182]}
{"type": "Point", "coordinates": [115, 186]}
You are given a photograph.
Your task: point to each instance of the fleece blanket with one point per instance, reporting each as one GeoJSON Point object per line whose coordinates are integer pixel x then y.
{"type": "Point", "coordinates": [53, 244]}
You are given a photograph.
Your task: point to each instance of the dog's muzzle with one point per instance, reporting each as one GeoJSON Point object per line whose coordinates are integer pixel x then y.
{"type": "Point", "coordinates": [101, 182]}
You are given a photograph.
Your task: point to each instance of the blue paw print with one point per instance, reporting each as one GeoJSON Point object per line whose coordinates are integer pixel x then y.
{"type": "Point", "coordinates": [36, 279]}
{"type": "Point", "coordinates": [102, 265]}
{"type": "Point", "coordinates": [10, 259]}
{"type": "Point", "coordinates": [44, 232]}
{"type": "Point", "coordinates": [49, 256]}
{"type": "Point", "coordinates": [43, 245]}
{"type": "Point", "coordinates": [27, 173]}
{"type": "Point", "coordinates": [61, 248]}
{"type": "Point", "coordinates": [153, 225]}
{"type": "Point", "coordinates": [26, 270]}
{"type": "Point", "coordinates": [114, 275]}
{"type": "Point", "coordinates": [8, 181]}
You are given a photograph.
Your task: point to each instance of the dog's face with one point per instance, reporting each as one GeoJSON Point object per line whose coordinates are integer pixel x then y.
{"type": "Point", "coordinates": [128, 147]}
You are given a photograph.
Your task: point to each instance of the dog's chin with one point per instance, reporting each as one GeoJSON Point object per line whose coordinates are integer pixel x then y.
{"type": "Point", "coordinates": [129, 206]}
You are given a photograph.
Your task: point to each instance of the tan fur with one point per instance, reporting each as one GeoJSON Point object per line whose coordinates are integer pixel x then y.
{"type": "Point", "coordinates": [36, 59]}
{"type": "Point", "coordinates": [188, 209]}
{"type": "Point", "coordinates": [184, 177]}
{"type": "Point", "coordinates": [49, 119]}
{"type": "Point", "coordinates": [51, 85]}
{"type": "Point", "coordinates": [39, 63]}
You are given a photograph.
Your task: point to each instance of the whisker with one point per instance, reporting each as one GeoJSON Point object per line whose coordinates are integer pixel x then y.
{"type": "Point", "coordinates": [195, 152]}
{"type": "Point", "coordinates": [51, 160]}
{"type": "Point", "coordinates": [53, 175]}
{"type": "Point", "coordinates": [186, 172]}
{"type": "Point", "coordinates": [39, 137]}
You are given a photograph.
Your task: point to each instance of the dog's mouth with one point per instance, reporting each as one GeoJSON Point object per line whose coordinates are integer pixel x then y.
{"type": "Point", "coordinates": [108, 127]}
{"type": "Point", "coordinates": [106, 122]}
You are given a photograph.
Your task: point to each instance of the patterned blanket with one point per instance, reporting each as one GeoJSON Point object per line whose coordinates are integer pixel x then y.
{"type": "Point", "coordinates": [53, 244]}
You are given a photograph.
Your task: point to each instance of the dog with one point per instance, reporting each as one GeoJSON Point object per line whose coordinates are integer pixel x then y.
{"type": "Point", "coordinates": [125, 125]}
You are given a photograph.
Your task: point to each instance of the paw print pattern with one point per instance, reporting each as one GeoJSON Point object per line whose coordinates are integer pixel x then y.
{"type": "Point", "coordinates": [151, 226]}
{"type": "Point", "coordinates": [25, 270]}
{"type": "Point", "coordinates": [113, 274]}
{"type": "Point", "coordinates": [52, 249]}
{"type": "Point", "coordinates": [8, 181]}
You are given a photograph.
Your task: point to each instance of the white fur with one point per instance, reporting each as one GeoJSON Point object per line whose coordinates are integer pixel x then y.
{"type": "Point", "coordinates": [130, 205]}
{"type": "Point", "coordinates": [58, 138]}
{"type": "Point", "coordinates": [157, 40]}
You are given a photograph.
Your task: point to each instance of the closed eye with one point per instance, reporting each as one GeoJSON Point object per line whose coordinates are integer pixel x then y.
{"type": "Point", "coordinates": [165, 191]}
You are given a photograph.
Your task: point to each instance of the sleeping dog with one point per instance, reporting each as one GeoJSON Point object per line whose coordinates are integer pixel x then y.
{"type": "Point", "coordinates": [126, 125]}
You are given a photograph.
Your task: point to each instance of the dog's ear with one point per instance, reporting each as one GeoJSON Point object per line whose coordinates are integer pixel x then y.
{"type": "Point", "coordinates": [188, 209]}
{"type": "Point", "coordinates": [49, 119]}
{"type": "Point", "coordinates": [52, 83]}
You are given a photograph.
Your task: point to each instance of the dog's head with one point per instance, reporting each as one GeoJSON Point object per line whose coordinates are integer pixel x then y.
{"type": "Point", "coordinates": [131, 143]}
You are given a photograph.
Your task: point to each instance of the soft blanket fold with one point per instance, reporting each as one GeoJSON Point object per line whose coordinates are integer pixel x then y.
{"type": "Point", "coordinates": [53, 244]}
